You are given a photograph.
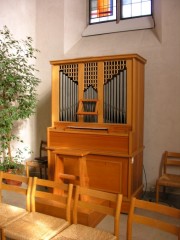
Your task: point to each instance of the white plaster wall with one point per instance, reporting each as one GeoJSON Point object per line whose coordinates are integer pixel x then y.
{"type": "Point", "coordinates": [75, 22]}
{"type": "Point", "coordinates": [43, 20]}
{"type": "Point", "coordinates": [50, 42]}
{"type": "Point", "coordinates": [20, 17]}
{"type": "Point", "coordinates": [162, 112]}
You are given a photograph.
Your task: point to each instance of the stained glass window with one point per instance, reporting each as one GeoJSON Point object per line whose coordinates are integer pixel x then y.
{"type": "Point", "coordinates": [102, 10]}
{"type": "Point", "coordinates": [108, 10]}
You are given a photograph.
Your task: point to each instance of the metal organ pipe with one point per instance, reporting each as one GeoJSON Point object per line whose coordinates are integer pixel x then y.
{"type": "Point", "coordinates": [68, 98]}
{"type": "Point", "coordinates": [115, 99]}
{"type": "Point", "coordinates": [115, 102]}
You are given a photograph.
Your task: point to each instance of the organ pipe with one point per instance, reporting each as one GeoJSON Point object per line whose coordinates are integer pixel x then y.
{"type": "Point", "coordinates": [114, 99]}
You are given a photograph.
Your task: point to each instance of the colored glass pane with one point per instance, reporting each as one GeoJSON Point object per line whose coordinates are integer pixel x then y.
{"type": "Point", "coordinates": [102, 10]}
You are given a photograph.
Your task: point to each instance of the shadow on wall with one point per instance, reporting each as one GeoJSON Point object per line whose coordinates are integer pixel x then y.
{"type": "Point", "coordinates": [43, 120]}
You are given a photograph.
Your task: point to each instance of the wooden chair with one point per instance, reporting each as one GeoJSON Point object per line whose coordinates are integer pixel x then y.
{"type": "Point", "coordinates": [88, 199]}
{"type": "Point", "coordinates": [146, 218]}
{"type": "Point", "coordinates": [9, 213]}
{"type": "Point", "coordinates": [170, 162]}
{"type": "Point", "coordinates": [40, 162]}
{"type": "Point", "coordinates": [36, 225]}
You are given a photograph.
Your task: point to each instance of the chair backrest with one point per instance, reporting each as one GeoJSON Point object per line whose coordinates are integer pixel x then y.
{"type": "Point", "coordinates": [42, 149]}
{"type": "Point", "coordinates": [86, 198]}
{"type": "Point", "coordinates": [12, 182]}
{"type": "Point", "coordinates": [149, 216]}
{"type": "Point", "coordinates": [171, 159]}
{"type": "Point", "coordinates": [43, 190]}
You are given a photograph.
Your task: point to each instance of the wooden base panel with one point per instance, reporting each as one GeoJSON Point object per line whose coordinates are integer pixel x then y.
{"type": "Point", "coordinates": [88, 218]}
{"type": "Point", "coordinates": [85, 217]}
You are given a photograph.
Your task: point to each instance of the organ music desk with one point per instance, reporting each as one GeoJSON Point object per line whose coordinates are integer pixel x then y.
{"type": "Point", "coordinates": [98, 107]}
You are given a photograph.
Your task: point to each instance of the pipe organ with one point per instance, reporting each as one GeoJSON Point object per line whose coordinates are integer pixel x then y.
{"type": "Point", "coordinates": [98, 106]}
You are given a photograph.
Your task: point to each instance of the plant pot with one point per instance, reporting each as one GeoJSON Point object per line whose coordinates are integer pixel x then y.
{"type": "Point", "coordinates": [12, 182]}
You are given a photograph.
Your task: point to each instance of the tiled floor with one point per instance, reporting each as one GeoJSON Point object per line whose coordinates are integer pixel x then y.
{"type": "Point", "coordinates": [139, 232]}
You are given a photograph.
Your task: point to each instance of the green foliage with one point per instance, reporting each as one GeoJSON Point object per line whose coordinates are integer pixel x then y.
{"type": "Point", "coordinates": [14, 166]}
{"type": "Point", "coordinates": [18, 84]}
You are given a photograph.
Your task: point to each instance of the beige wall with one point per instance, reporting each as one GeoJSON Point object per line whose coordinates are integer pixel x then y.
{"type": "Point", "coordinates": [50, 42]}
{"type": "Point", "coordinates": [20, 17]}
{"type": "Point", "coordinates": [57, 26]}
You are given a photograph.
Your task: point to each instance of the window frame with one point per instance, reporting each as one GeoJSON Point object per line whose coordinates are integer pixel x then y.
{"type": "Point", "coordinates": [124, 25]}
{"type": "Point", "coordinates": [118, 14]}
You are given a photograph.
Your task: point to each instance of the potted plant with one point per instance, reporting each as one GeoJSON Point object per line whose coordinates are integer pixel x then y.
{"type": "Point", "coordinates": [14, 167]}
{"type": "Point", "coordinates": [18, 96]}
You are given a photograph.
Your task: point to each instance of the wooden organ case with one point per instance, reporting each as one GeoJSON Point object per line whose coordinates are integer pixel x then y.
{"type": "Point", "coordinates": [98, 106]}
